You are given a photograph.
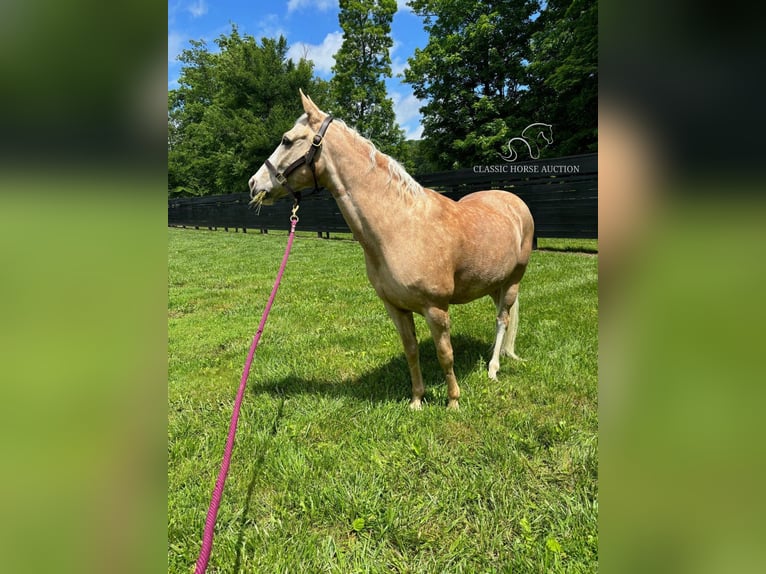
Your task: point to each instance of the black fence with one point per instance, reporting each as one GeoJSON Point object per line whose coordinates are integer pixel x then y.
{"type": "Point", "coordinates": [561, 193]}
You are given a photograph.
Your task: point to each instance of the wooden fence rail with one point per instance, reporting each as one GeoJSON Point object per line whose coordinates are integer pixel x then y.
{"type": "Point", "coordinates": [562, 194]}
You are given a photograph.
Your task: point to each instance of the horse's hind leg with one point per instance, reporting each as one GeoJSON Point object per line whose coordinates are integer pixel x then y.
{"type": "Point", "coordinates": [439, 323]}
{"type": "Point", "coordinates": [509, 343]}
{"type": "Point", "coordinates": [506, 303]}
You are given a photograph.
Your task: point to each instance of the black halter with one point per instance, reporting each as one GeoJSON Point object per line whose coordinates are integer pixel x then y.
{"type": "Point", "coordinates": [308, 159]}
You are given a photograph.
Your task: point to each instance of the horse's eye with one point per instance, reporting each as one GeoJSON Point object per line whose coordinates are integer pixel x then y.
{"type": "Point", "coordinates": [286, 141]}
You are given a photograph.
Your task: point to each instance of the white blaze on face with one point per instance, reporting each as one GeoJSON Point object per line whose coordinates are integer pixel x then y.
{"type": "Point", "coordinates": [262, 183]}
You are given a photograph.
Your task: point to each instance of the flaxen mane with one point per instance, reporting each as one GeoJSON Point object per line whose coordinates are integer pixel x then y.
{"type": "Point", "coordinates": [404, 182]}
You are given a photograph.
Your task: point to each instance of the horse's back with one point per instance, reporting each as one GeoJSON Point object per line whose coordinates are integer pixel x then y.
{"type": "Point", "coordinates": [500, 213]}
{"type": "Point", "coordinates": [497, 199]}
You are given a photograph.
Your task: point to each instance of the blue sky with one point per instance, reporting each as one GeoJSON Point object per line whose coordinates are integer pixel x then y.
{"type": "Point", "coordinates": [310, 26]}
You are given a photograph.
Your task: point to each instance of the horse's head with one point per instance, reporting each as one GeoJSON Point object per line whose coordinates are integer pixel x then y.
{"type": "Point", "coordinates": [542, 132]}
{"type": "Point", "coordinates": [296, 162]}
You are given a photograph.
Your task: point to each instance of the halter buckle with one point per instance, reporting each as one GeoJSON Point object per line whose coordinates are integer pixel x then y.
{"type": "Point", "coordinates": [281, 179]}
{"type": "Point", "coordinates": [317, 141]}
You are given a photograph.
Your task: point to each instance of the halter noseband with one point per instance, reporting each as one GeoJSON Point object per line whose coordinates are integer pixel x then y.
{"type": "Point", "coordinates": [308, 159]}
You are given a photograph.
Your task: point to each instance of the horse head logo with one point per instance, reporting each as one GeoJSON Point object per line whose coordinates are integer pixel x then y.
{"type": "Point", "coordinates": [530, 138]}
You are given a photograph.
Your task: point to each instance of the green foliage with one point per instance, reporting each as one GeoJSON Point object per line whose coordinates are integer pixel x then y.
{"type": "Point", "coordinates": [331, 471]}
{"type": "Point", "coordinates": [473, 76]}
{"type": "Point", "coordinates": [230, 108]}
{"type": "Point", "coordinates": [563, 74]}
{"type": "Point", "coordinates": [489, 70]}
{"type": "Point", "coordinates": [361, 65]}
{"type": "Point", "coordinates": [415, 159]}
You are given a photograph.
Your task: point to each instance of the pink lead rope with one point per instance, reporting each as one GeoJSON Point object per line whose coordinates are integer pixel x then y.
{"type": "Point", "coordinates": [215, 501]}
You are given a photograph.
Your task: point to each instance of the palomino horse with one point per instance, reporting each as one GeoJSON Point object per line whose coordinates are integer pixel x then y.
{"type": "Point", "coordinates": [423, 251]}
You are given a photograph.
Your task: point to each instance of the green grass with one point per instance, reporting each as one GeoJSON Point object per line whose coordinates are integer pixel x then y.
{"type": "Point", "coordinates": [582, 245]}
{"type": "Point", "coordinates": [331, 471]}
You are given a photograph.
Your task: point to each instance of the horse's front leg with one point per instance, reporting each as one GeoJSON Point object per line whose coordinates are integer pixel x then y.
{"type": "Point", "coordinates": [439, 323]}
{"type": "Point", "coordinates": [405, 325]}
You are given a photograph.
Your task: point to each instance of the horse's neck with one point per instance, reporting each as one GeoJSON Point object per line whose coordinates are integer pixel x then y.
{"type": "Point", "coordinates": [366, 194]}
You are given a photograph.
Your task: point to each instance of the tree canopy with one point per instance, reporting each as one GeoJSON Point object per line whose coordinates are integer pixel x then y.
{"type": "Point", "coordinates": [563, 74]}
{"type": "Point", "coordinates": [492, 67]}
{"type": "Point", "coordinates": [230, 110]}
{"type": "Point", "coordinates": [361, 64]}
{"type": "Point", "coordinates": [472, 75]}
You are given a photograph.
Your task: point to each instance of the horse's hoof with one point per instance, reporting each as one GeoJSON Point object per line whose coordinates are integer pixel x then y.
{"type": "Point", "coordinates": [416, 405]}
{"type": "Point", "coordinates": [453, 405]}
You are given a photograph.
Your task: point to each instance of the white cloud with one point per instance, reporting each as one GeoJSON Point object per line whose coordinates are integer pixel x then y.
{"type": "Point", "coordinates": [173, 12]}
{"type": "Point", "coordinates": [197, 8]}
{"type": "Point", "coordinates": [407, 111]}
{"type": "Point", "coordinates": [321, 5]}
{"type": "Point", "coordinates": [397, 64]}
{"type": "Point", "coordinates": [413, 133]}
{"type": "Point", "coordinates": [175, 45]}
{"type": "Point", "coordinates": [321, 55]}
{"type": "Point", "coordinates": [406, 108]}
{"type": "Point", "coordinates": [401, 6]}
{"type": "Point", "coordinates": [270, 26]}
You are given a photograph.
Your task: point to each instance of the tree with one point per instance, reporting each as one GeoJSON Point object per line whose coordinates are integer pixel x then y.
{"type": "Point", "coordinates": [230, 110]}
{"type": "Point", "coordinates": [564, 73]}
{"type": "Point", "coordinates": [473, 74]}
{"type": "Point", "coordinates": [415, 158]}
{"type": "Point", "coordinates": [361, 64]}
{"type": "Point", "coordinates": [493, 67]}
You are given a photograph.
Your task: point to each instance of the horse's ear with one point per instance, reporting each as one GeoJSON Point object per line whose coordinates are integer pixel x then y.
{"type": "Point", "coordinates": [314, 114]}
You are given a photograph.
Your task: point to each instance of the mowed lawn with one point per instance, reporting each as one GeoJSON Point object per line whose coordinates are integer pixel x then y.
{"type": "Point", "coordinates": [331, 470]}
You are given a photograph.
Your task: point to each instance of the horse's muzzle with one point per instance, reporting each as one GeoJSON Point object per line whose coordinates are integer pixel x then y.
{"type": "Point", "coordinates": [251, 184]}
{"type": "Point", "coordinates": [258, 195]}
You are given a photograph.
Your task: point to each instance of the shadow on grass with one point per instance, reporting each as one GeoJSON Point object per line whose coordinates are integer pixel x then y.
{"type": "Point", "coordinates": [256, 471]}
{"type": "Point", "coordinates": [570, 249]}
{"type": "Point", "coordinates": [390, 382]}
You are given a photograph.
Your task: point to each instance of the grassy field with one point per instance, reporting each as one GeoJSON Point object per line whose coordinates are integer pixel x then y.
{"type": "Point", "coordinates": [331, 471]}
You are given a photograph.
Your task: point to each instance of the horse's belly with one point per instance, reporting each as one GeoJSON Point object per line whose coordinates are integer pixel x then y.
{"type": "Point", "coordinates": [485, 271]}
{"type": "Point", "coordinates": [412, 287]}
{"type": "Point", "coordinates": [472, 286]}
{"type": "Point", "coordinates": [467, 295]}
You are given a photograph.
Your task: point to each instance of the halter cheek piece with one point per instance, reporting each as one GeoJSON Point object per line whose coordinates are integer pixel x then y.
{"type": "Point", "coordinates": [308, 159]}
